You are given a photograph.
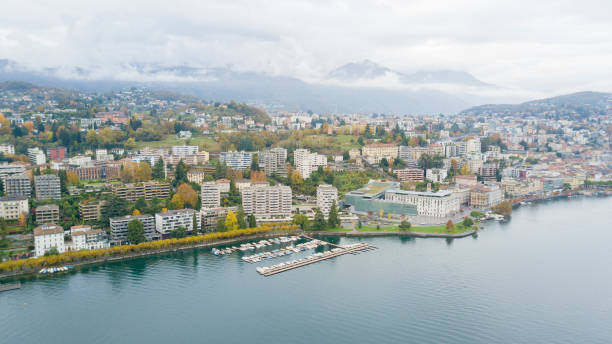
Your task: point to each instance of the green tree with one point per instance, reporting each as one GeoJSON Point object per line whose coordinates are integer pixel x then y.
{"type": "Point", "coordinates": [319, 220]}
{"type": "Point", "coordinates": [221, 225]}
{"type": "Point", "coordinates": [180, 173]}
{"type": "Point", "coordinates": [179, 232]}
{"type": "Point", "coordinates": [332, 218]}
{"type": "Point", "coordinates": [140, 204]}
{"type": "Point", "coordinates": [240, 217]}
{"type": "Point", "coordinates": [301, 220]}
{"type": "Point", "coordinates": [468, 221]}
{"type": "Point", "coordinates": [252, 221]}
{"type": "Point", "coordinates": [113, 207]}
{"type": "Point", "coordinates": [3, 229]}
{"type": "Point", "coordinates": [158, 170]}
{"type": "Point", "coordinates": [405, 225]}
{"type": "Point", "coordinates": [136, 232]}
{"type": "Point", "coordinates": [51, 252]}
{"type": "Point", "coordinates": [1, 188]}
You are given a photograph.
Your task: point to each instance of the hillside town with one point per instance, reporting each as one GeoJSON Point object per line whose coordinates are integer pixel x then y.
{"type": "Point", "coordinates": [82, 171]}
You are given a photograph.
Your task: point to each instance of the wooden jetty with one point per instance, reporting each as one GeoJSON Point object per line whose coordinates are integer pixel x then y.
{"type": "Point", "coordinates": [7, 287]}
{"type": "Point", "coordinates": [338, 251]}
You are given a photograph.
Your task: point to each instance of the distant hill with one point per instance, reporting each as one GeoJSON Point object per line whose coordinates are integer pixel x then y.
{"type": "Point", "coordinates": [571, 105]}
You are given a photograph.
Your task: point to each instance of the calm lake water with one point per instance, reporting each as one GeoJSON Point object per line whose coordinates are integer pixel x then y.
{"type": "Point", "coordinates": [543, 277]}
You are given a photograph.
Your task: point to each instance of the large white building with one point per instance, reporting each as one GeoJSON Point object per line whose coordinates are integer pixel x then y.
{"type": "Point", "coordinates": [119, 227]}
{"type": "Point", "coordinates": [210, 195]}
{"type": "Point", "coordinates": [170, 220]}
{"type": "Point", "coordinates": [10, 169]}
{"type": "Point", "coordinates": [37, 156]}
{"type": "Point", "coordinates": [326, 196]}
{"type": "Point", "coordinates": [375, 152]}
{"type": "Point", "coordinates": [273, 161]}
{"type": "Point", "coordinates": [47, 237]}
{"type": "Point", "coordinates": [307, 162]}
{"type": "Point", "coordinates": [267, 201]}
{"type": "Point", "coordinates": [184, 150]}
{"type": "Point", "coordinates": [436, 174]}
{"type": "Point", "coordinates": [47, 186]}
{"type": "Point", "coordinates": [433, 204]}
{"type": "Point", "coordinates": [86, 238]}
{"type": "Point", "coordinates": [236, 160]}
{"type": "Point", "coordinates": [7, 149]}
{"type": "Point", "coordinates": [12, 206]}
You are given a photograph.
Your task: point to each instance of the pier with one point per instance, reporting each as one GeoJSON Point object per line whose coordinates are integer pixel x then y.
{"type": "Point", "coordinates": [335, 252]}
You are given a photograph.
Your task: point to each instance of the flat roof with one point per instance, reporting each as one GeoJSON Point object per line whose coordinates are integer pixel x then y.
{"type": "Point", "coordinates": [439, 193]}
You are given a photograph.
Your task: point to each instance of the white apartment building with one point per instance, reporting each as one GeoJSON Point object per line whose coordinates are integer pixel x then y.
{"type": "Point", "coordinates": [472, 146]}
{"type": "Point", "coordinates": [434, 204]}
{"type": "Point", "coordinates": [12, 206]}
{"type": "Point", "coordinates": [10, 169]}
{"type": "Point", "coordinates": [326, 196]}
{"type": "Point", "coordinates": [37, 156]}
{"type": "Point", "coordinates": [170, 220]}
{"type": "Point", "coordinates": [119, 227]}
{"type": "Point", "coordinates": [7, 149]}
{"type": "Point", "coordinates": [307, 162]}
{"type": "Point", "coordinates": [184, 150]}
{"type": "Point", "coordinates": [80, 160]}
{"type": "Point", "coordinates": [436, 174]}
{"type": "Point", "coordinates": [86, 238]}
{"type": "Point", "coordinates": [210, 195]}
{"type": "Point", "coordinates": [273, 161]}
{"type": "Point", "coordinates": [267, 201]}
{"type": "Point", "coordinates": [47, 237]}
{"type": "Point", "coordinates": [236, 160]}
{"type": "Point", "coordinates": [102, 155]}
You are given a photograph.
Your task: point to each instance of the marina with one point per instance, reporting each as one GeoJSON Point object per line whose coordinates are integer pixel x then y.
{"type": "Point", "coordinates": [311, 245]}
{"type": "Point", "coordinates": [53, 270]}
{"type": "Point", "coordinates": [317, 257]}
{"type": "Point", "coordinates": [254, 245]}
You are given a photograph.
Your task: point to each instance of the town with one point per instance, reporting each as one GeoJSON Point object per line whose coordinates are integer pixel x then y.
{"type": "Point", "coordinates": [85, 171]}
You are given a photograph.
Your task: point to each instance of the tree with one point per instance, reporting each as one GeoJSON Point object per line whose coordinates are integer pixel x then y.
{"type": "Point", "coordinates": [188, 195]}
{"type": "Point", "coordinates": [221, 225]}
{"type": "Point", "coordinates": [332, 218]}
{"type": "Point", "coordinates": [241, 218]}
{"type": "Point", "coordinates": [177, 202]}
{"type": "Point", "coordinates": [319, 220]}
{"type": "Point", "coordinates": [300, 220]}
{"type": "Point", "coordinates": [136, 212]}
{"type": "Point", "coordinates": [468, 221]}
{"type": "Point", "coordinates": [464, 170]}
{"type": "Point", "coordinates": [405, 225]}
{"type": "Point", "coordinates": [504, 208]}
{"type": "Point", "coordinates": [51, 252]}
{"type": "Point", "coordinates": [142, 172]}
{"type": "Point", "coordinates": [179, 232]}
{"type": "Point", "coordinates": [140, 204]}
{"type": "Point", "coordinates": [180, 173]}
{"type": "Point", "coordinates": [450, 225]}
{"type": "Point", "coordinates": [22, 219]}
{"type": "Point", "coordinates": [113, 207]}
{"type": "Point", "coordinates": [157, 172]}
{"type": "Point", "coordinates": [3, 229]}
{"type": "Point", "coordinates": [136, 232]}
{"type": "Point", "coordinates": [252, 221]}
{"type": "Point", "coordinates": [72, 178]}
{"type": "Point", "coordinates": [231, 221]}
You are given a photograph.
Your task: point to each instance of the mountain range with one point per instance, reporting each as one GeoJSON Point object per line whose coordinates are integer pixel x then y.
{"type": "Point", "coordinates": [356, 87]}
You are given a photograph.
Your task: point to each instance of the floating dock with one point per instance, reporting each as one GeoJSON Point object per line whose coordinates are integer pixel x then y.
{"type": "Point", "coordinates": [338, 251]}
{"type": "Point", "coordinates": [12, 286]}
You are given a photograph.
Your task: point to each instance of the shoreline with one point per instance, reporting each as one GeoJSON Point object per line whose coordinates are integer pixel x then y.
{"type": "Point", "coordinates": [357, 234]}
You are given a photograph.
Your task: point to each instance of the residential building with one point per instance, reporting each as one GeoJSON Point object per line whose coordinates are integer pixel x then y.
{"type": "Point", "coordinates": [170, 220]}
{"type": "Point", "coordinates": [37, 156]}
{"type": "Point", "coordinates": [184, 150]}
{"type": "Point", "coordinates": [96, 172]}
{"type": "Point", "coordinates": [13, 206]}
{"type": "Point", "coordinates": [466, 180]}
{"type": "Point", "coordinates": [410, 175]}
{"type": "Point", "coordinates": [91, 210]}
{"type": "Point", "coordinates": [373, 153]}
{"type": "Point", "coordinates": [326, 196]}
{"type": "Point", "coordinates": [196, 175]}
{"type": "Point", "coordinates": [485, 196]}
{"type": "Point", "coordinates": [17, 185]}
{"type": "Point", "coordinates": [57, 153]}
{"type": "Point", "coordinates": [102, 155]}
{"type": "Point", "coordinates": [7, 149]}
{"type": "Point", "coordinates": [267, 201]}
{"type": "Point", "coordinates": [210, 195]}
{"type": "Point", "coordinates": [307, 162]}
{"type": "Point", "coordinates": [242, 183]}
{"type": "Point", "coordinates": [436, 174]}
{"type": "Point", "coordinates": [236, 160]}
{"type": "Point", "coordinates": [47, 187]}
{"type": "Point", "coordinates": [10, 169]}
{"type": "Point", "coordinates": [119, 227]}
{"type": "Point", "coordinates": [146, 190]}
{"type": "Point", "coordinates": [47, 237]}
{"type": "Point", "coordinates": [86, 238]}
{"type": "Point", "coordinates": [48, 213]}
{"type": "Point", "coordinates": [273, 161]}
{"type": "Point", "coordinates": [210, 216]}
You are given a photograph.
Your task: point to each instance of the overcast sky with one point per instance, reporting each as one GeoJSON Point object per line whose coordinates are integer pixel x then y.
{"type": "Point", "coordinates": [548, 46]}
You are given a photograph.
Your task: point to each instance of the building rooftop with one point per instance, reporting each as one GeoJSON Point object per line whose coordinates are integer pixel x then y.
{"type": "Point", "coordinates": [47, 207]}
{"type": "Point", "coordinates": [48, 229]}
{"type": "Point", "coordinates": [13, 198]}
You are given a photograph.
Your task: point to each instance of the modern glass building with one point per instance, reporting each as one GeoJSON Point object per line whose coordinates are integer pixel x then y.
{"type": "Point", "coordinates": [370, 199]}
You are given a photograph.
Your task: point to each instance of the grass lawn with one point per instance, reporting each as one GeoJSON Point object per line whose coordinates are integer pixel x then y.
{"type": "Point", "coordinates": [422, 229]}
{"type": "Point", "coordinates": [206, 142]}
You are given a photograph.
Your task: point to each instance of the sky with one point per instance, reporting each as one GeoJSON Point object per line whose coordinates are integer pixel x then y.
{"type": "Point", "coordinates": [544, 46]}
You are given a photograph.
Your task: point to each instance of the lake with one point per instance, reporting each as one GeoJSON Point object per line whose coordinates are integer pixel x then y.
{"type": "Point", "coordinates": [543, 277]}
